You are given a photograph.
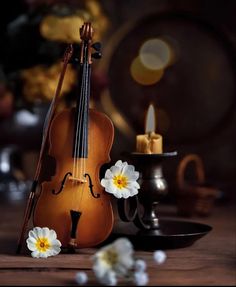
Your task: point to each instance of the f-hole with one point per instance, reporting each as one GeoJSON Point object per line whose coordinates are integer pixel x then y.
{"type": "Point", "coordinates": [91, 186]}
{"type": "Point", "coordinates": [62, 184]}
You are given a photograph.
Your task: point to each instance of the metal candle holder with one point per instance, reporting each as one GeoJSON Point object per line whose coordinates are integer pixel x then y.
{"type": "Point", "coordinates": [149, 232]}
{"type": "Point", "coordinates": [141, 210]}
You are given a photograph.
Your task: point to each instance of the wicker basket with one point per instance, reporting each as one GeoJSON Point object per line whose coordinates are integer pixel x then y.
{"type": "Point", "coordinates": [194, 199]}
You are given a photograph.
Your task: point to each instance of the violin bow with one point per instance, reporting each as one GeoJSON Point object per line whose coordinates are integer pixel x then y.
{"type": "Point", "coordinates": [50, 115]}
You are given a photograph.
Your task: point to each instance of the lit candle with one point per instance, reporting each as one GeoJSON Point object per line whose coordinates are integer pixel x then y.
{"type": "Point", "coordinates": [150, 142]}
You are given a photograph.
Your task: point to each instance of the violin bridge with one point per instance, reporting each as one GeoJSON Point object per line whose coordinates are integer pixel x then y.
{"type": "Point", "coordinates": [78, 180]}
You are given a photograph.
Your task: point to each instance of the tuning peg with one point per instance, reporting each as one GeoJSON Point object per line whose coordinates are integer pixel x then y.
{"type": "Point", "coordinates": [97, 55]}
{"type": "Point", "coordinates": [97, 46]}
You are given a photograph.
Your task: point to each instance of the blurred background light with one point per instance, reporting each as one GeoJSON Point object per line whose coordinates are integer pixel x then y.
{"type": "Point", "coordinates": [155, 54]}
{"type": "Point", "coordinates": [144, 75]}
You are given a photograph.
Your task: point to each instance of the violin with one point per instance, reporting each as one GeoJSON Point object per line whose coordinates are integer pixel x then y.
{"type": "Point", "coordinates": [73, 202]}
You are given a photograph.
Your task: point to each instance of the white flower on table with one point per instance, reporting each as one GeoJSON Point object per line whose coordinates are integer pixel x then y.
{"type": "Point", "coordinates": [121, 180]}
{"type": "Point", "coordinates": [43, 242]}
{"type": "Point", "coordinates": [113, 260]}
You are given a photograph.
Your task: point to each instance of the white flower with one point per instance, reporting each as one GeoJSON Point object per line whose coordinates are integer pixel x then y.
{"type": "Point", "coordinates": [113, 260]}
{"type": "Point", "coordinates": [43, 242]}
{"type": "Point", "coordinates": [159, 256]}
{"type": "Point", "coordinates": [81, 278]}
{"type": "Point", "coordinates": [141, 278]}
{"type": "Point", "coordinates": [121, 180]}
{"type": "Point", "coordinates": [140, 265]}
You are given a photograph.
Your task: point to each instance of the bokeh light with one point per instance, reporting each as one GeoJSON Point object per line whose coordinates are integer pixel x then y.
{"type": "Point", "coordinates": [143, 75]}
{"type": "Point", "coordinates": [155, 54]}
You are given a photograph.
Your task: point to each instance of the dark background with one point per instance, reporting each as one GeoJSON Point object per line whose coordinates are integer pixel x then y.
{"type": "Point", "coordinates": [201, 107]}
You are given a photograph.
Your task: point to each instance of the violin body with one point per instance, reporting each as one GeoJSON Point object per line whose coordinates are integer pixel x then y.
{"type": "Point", "coordinates": [65, 191]}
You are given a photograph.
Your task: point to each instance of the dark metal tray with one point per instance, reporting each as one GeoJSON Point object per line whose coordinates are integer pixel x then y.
{"type": "Point", "coordinates": [172, 234]}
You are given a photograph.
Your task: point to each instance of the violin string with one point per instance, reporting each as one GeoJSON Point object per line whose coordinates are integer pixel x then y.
{"type": "Point", "coordinates": [78, 125]}
{"type": "Point", "coordinates": [76, 161]}
{"type": "Point", "coordinates": [78, 131]}
{"type": "Point", "coordinates": [84, 114]}
{"type": "Point", "coordinates": [85, 125]}
{"type": "Point", "coordinates": [81, 168]}
{"type": "Point", "coordinates": [76, 134]}
{"type": "Point", "coordinates": [85, 129]}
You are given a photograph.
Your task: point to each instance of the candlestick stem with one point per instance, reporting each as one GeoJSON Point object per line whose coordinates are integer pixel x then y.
{"type": "Point", "coordinates": [153, 187]}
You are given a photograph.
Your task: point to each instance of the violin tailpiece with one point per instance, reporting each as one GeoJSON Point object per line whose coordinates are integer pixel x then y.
{"type": "Point", "coordinates": [75, 216]}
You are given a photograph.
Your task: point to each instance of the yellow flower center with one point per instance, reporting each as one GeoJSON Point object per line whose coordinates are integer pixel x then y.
{"type": "Point", "coordinates": [110, 257]}
{"type": "Point", "coordinates": [120, 181]}
{"type": "Point", "coordinates": [42, 244]}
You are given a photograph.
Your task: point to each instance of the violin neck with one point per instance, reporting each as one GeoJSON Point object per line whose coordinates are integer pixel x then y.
{"type": "Point", "coordinates": [82, 110]}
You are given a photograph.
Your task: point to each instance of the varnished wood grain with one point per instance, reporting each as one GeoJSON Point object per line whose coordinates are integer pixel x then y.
{"type": "Point", "coordinates": [53, 211]}
{"type": "Point", "coordinates": [210, 261]}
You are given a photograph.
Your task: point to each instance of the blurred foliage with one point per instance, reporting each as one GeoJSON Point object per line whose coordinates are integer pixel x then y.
{"type": "Point", "coordinates": [35, 43]}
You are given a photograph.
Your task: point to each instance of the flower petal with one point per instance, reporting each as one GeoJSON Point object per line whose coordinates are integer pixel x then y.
{"type": "Point", "coordinates": [56, 243]}
{"type": "Point", "coordinates": [119, 163]}
{"type": "Point", "coordinates": [33, 234]}
{"type": "Point", "coordinates": [117, 193]}
{"type": "Point", "coordinates": [129, 168]}
{"type": "Point", "coordinates": [123, 245]}
{"type": "Point", "coordinates": [54, 251]}
{"type": "Point", "coordinates": [52, 235]}
{"type": "Point", "coordinates": [100, 268]}
{"type": "Point", "coordinates": [45, 232]}
{"type": "Point", "coordinates": [134, 175]}
{"type": "Point", "coordinates": [35, 254]}
{"type": "Point", "coordinates": [110, 187]}
{"type": "Point", "coordinates": [31, 246]}
{"type": "Point", "coordinates": [124, 249]}
{"type": "Point", "coordinates": [108, 174]}
{"type": "Point", "coordinates": [125, 192]}
{"type": "Point", "coordinates": [133, 184]}
{"type": "Point", "coordinates": [107, 183]}
{"type": "Point", "coordinates": [31, 240]}
{"type": "Point", "coordinates": [44, 254]}
{"type": "Point", "coordinates": [38, 232]}
{"type": "Point", "coordinates": [116, 169]}
{"type": "Point", "coordinates": [133, 191]}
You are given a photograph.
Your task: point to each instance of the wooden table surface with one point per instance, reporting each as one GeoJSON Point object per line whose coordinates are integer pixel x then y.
{"type": "Point", "coordinates": [211, 260]}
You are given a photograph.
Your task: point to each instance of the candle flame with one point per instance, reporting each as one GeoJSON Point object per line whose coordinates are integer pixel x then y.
{"type": "Point", "coordinates": [150, 120]}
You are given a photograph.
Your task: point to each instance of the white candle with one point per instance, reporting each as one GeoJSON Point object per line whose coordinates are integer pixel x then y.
{"type": "Point", "coordinates": [150, 142]}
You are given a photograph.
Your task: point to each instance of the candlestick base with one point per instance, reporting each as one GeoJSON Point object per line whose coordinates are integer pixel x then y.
{"type": "Point", "coordinates": [171, 234]}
